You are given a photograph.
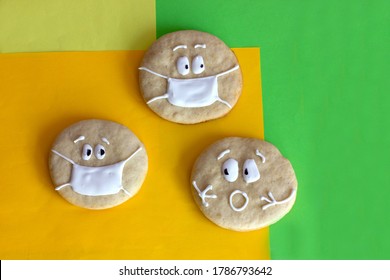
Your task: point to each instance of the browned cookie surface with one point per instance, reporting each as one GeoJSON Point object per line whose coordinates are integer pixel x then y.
{"type": "Point", "coordinates": [190, 77]}
{"type": "Point", "coordinates": [243, 184]}
{"type": "Point", "coordinates": [97, 164]}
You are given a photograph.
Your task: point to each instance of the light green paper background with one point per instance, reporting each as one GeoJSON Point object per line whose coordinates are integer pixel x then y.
{"type": "Point", "coordinates": [325, 68]}
{"type": "Point", "coordinates": [55, 25]}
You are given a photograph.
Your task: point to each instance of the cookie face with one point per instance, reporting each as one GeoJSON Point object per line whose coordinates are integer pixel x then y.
{"type": "Point", "coordinates": [243, 184]}
{"type": "Point", "coordinates": [190, 77]}
{"type": "Point", "coordinates": [97, 164]}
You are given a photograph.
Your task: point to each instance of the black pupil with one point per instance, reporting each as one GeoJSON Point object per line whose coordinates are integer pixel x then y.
{"type": "Point", "coordinates": [102, 152]}
{"type": "Point", "coordinates": [89, 152]}
{"type": "Point", "coordinates": [246, 171]}
{"type": "Point", "coordinates": [201, 66]}
{"type": "Point", "coordinates": [186, 66]}
{"type": "Point", "coordinates": [225, 171]}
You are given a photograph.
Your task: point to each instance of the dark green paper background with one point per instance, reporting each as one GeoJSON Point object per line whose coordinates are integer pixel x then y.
{"type": "Point", "coordinates": [325, 76]}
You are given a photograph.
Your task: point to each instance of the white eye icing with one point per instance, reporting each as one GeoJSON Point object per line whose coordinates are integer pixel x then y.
{"type": "Point", "coordinates": [87, 152]}
{"type": "Point", "coordinates": [198, 65]}
{"type": "Point", "coordinates": [250, 171]}
{"type": "Point", "coordinates": [230, 170]}
{"type": "Point", "coordinates": [100, 151]}
{"type": "Point", "coordinates": [183, 65]}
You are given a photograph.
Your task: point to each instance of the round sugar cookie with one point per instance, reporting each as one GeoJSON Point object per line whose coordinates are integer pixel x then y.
{"type": "Point", "coordinates": [190, 77]}
{"type": "Point", "coordinates": [97, 164]}
{"type": "Point", "coordinates": [243, 184]}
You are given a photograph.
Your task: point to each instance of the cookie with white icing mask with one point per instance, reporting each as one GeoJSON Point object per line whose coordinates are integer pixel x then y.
{"type": "Point", "coordinates": [190, 77]}
{"type": "Point", "coordinates": [97, 164]}
{"type": "Point", "coordinates": [243, 184]}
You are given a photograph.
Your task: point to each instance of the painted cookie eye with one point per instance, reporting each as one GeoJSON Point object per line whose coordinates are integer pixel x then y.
{"type": "Point", "coordinates": [250, 172]}
{"type": "Point", "coordinates": [100, 151]}
{"type": "Point", "coordinates": [87, 152]}
{"type": "Point", "coordinates": [230, 170]}
{"type": "Point", "coordinates": [198, 65]}
{"type": "Point", "coordinates": [183, 65]}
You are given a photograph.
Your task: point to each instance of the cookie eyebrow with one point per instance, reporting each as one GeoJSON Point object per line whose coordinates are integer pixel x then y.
{"type": "Point", "coordinates": [260, 155]}
{"type": "Point", "coordinates": [80, 138]}
{"type": "Point", "coordinates": [179, 47]}
{"type": "Point", "coordinates": [221, 155]}
{"type": "Point", "coordinates": [104, 139]}
{"type": "Point", "coordinates": [203, 46]}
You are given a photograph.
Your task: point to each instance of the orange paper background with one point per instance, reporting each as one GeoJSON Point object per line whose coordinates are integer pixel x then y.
{"type": "Point", "coordinates": [43, 93]}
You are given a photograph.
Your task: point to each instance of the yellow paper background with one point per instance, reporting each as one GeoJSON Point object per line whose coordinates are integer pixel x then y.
{"type": "Point", "coordinates": [74, 25]}
{"type": "Point", "coordinates": [43, 93]}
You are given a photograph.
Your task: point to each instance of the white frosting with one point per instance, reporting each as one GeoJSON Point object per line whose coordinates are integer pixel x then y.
{"type": "Point", "coordinates": [228, 71]}
{"type": "Point", "coordinates": [164, 96]}
{"type": "Point", "coordinates": [231, 200]}
{"type": "Point", "coordinates": [98, 151]}
{"type": "Point", "coordinates": [230, 170]}
{"type": "Point", "coordinates": [272, 201]}
{"type": "Point", "coordinates": [260, 155]}
{"type": "Point", "coordinates": [87, 152]}
{"type": "Point", "coordinates": [104, 139]}
{"type": "Point", "coordinates": [183, 65]}
{"type": "Point", "coordinates": [203, 194]}
{"type": "Point", "coordinates": [152, 72]}
{"type": "Point", "coordinates": [198, 65]}
{"type": "Point", "coordinates": [81, 138]}
{"type": "Point", "coordinates": [221, 155]}
{"type": "Point", "coordinates": [64, 157]}
{"type": "Point", "coordinates": [96, 181]}
{"type": "Point", "coordinates": [250, 172]}
{"type": "Point", "coordinates": [203, 46]}
{"type": "Point", "coordinates": [192, 93]}
{"type": "Point", "coordinates": [179, 47]}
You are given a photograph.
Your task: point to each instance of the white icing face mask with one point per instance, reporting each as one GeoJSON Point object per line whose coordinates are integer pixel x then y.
{"type": "Point", "coordinates": [96, 181]}
{"type": "Point", "coordinates": [191, 93]}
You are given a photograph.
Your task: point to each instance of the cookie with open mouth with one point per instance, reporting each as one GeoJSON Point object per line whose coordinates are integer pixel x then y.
{"type": "Point", "coordinates": [97, 164]}
{"type": "Point", "coordinates": [190, 77]}
{"type": "Point", "coordinates": [243, 184]}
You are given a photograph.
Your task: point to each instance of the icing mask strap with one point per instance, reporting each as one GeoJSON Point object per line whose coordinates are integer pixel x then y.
{"type": "Point", "coordinates": [126, 192]}
{"type": "Point", "coordinates": [62, 186]}
{"type": "Point", "coordinates": [64, 157]}
{"type": "Point", "coordinates": [224, 102]}
{"type": "Point", "coordinates": [152, 72]}
{"type": "Point", "coordinates": [67, 159]}
{"type": "Point", "coordinates": [133, 154]}
{"type": "Point", "coordinates": [228, 71]}
{"type": "Point", "coordinates": [68, 184]}
{"type": "Point", "coordinates": [164, 96]}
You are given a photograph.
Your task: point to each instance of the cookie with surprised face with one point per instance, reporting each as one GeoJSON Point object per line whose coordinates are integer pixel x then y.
{"type": "Point", "coordinates": [243, 184]}
{"type": "Point", "coordinates": [190, 77]}
{"type": "Point", "coordinates": [97, 164]}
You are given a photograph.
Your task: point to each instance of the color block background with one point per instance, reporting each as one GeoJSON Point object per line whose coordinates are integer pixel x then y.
{"type": "Point", "coordinates": [326, 105]}
{"type": "Point", "coordinates": [72, 25]}
{"type": "Point", "coordinates": [45, 93]}
{"type": "Point", "coordinates": [325, 68]}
